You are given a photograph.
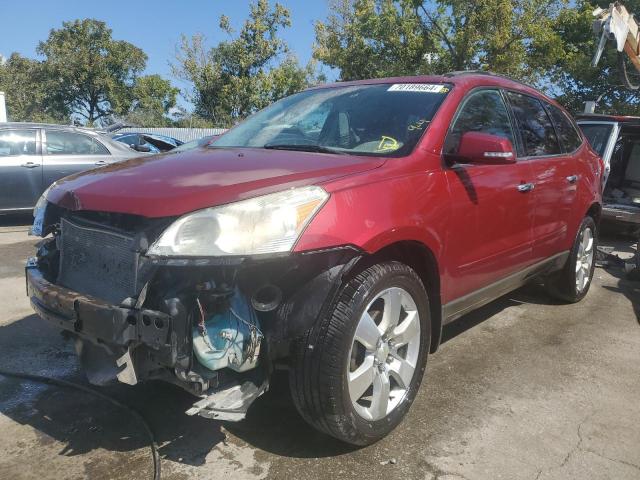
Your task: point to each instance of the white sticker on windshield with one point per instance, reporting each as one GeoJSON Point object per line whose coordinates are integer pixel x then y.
{"type": "Point", "coordinates": [418, 87]}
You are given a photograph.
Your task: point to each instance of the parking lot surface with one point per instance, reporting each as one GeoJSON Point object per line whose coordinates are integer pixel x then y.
{"type": "Point", "coordinates": [524, 388]}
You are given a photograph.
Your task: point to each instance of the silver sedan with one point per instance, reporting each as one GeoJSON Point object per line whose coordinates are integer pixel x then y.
{"type": "Point", "coordinates": [33, 156]}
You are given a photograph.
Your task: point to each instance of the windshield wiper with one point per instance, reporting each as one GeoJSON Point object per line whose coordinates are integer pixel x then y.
{"type": "Point", "coordinates": [301, 147]}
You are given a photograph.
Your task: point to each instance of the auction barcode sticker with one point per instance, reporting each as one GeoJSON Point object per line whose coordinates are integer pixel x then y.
{"type": "Point", "coordinates": [418, 87]}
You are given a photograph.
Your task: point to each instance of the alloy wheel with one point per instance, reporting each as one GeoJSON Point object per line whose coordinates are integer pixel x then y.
{"type": "Point", "coordinates": [584, 260]}
{"type": "Point", "coordinates": [384, 354]}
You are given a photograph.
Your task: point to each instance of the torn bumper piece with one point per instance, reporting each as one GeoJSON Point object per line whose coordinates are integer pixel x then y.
{"type": "Point", "coordinates": [230, 404]}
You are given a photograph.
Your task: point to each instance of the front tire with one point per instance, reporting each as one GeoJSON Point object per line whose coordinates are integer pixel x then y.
{"type": "Point", "coordinates": [356, 372]}
{"type": "Point", "coordinates": [572, 283]}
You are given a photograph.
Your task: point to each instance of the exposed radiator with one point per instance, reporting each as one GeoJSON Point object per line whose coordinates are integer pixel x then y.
{"type": "Point", "coordinates": [97, 262]}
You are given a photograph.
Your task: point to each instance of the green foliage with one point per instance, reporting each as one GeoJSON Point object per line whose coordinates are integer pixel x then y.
{"type": "Point", "coordinates": [28, 93]}
{"type": "Point", "coordinates": [154, 93]}
{"type": "Point", "coordinates": [153, 97]}
{"type": "Point", "coordinates": [548, 43]}
{"type": "Point", "coordinates": [184, 119]}
{"type": "Point", "coordinates": [375, 38]}
{"type": "Point", "coordinates": [85, 74]}
{"type": "Point", "coordinates": [571, 74]}
{"type": "Point", "coordinates": [94, 74]}
{"type": "Point", "coordinates": [245, 73]}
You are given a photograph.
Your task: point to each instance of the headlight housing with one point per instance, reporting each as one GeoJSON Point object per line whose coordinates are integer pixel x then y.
{"type": "Point", "coordinates": [39, 212]}
{"type": "Point", "coordinates": [267, 224]}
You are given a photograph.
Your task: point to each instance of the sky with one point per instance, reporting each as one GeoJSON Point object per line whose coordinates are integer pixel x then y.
{"type": "Point", "coordinates": [153, 25]}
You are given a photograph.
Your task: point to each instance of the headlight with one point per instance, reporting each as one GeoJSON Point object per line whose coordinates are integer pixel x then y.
{"type": "Point", "coordinates": [267, 224]}
{"type": "Point", "coordinates": [39, 211]}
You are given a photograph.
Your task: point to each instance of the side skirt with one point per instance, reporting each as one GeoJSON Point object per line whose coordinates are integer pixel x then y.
{"type": "Point", "coordinates": [457, 308]}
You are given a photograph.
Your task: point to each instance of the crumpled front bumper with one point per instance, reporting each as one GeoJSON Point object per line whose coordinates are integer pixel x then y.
{"type": "Point", "coordinates": [95, 319]}
{"type": "Point", "coordinates": [110, 327]}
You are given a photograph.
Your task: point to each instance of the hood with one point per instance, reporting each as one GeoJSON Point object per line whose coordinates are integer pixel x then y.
{"type": "Point", "coordinates": [177, 183]}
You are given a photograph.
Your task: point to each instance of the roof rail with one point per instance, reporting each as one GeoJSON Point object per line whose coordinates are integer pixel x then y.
{"type": "Point", "coordinates": [471, 72]}
{"type": "Point", "coordinates": [485, 72]}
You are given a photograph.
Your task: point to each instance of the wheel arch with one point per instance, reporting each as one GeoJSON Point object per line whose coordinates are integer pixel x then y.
{"type": "Point", "coordinates": [422, 260]}
{"type": "Point", "coordinates": [595, 212]}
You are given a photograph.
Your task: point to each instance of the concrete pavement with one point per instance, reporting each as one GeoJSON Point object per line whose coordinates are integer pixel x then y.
{"type": "Point", "coordinates": [523, 389]}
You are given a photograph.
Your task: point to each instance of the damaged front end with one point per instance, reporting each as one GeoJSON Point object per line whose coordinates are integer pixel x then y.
{"type": "Point", "coordinates": [216, 326]}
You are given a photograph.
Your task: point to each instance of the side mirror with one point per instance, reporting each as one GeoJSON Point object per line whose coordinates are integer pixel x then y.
{"type": "Point", "coordinates": [484, 148]}
{"type": "Point", "coordinates": [141, 148]}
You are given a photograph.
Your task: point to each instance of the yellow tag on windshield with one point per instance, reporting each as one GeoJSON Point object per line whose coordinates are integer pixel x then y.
{"type": "Point", "coordinates": [387, 144]}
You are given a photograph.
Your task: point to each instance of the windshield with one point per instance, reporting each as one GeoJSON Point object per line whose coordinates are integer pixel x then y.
{"type": "Point", "coordinates": [380, 120]}
{"type": "Point", "coordinates": [597, 134]}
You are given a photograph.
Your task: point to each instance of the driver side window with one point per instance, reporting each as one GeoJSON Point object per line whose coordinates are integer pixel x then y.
{"type": "Point", "coordinates": [483, 111]}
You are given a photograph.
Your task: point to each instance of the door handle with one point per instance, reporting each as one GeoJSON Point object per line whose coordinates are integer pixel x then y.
{"type": "Point", "coordinates": [101, 162]}
{"type": "Point", "coordinates": [526, 187]}
{"type": "Point", "coordinates": [572, 178]}
{"type": "Point", "coordinates": [30, 165]}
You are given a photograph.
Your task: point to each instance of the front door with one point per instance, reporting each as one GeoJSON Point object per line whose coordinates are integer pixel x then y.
{"type": "Point", "coordinates": [20, 168]}
{"type": "Point", "coordinates": [492, 205]}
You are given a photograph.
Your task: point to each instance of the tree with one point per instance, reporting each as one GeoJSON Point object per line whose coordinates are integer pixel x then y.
{"type": "Point", "coordinates": [571, 74]}
{"type": "Point", "coordinates": [245, 73]}
{"type": "Point", "coordinates": [29, 95]}
{"type": "Point", "coordinates": [153, 98]}
{"type": "Point", "coordinates": [374, 38]}
{"type": "Point", "coordinates": [93, 73]}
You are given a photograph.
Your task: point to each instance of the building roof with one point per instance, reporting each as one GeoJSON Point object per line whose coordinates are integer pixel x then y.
{"type": "Point", "coordinates": [182, 134]}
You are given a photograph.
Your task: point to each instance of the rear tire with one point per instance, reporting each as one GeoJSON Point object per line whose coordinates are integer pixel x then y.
{"type": "Point", "coordinates": [354, 374]}
{"type": "Point", "coordinates": [572, 283]}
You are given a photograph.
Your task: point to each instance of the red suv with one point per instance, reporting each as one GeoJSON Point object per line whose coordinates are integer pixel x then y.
{"type": "Point", "coordinates": [333, 233]}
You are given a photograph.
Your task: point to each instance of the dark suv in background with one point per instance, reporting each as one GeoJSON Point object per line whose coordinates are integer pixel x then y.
{"type": "Point", "coordinates": [333, 233]}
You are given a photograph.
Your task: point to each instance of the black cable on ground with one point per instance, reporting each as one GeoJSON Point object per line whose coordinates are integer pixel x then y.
{"type": "Point", "coordinates": [65, 384]}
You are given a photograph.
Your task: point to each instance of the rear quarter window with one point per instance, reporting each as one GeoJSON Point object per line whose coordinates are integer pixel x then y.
{"type": "Point", "coordinates": [598, 135]}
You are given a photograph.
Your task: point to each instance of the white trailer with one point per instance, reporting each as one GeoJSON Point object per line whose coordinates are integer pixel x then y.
{"type": "Point", "coordinates": [3, 109]}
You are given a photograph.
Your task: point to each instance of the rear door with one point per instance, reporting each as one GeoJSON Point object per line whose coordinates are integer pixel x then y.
{"type": "Point", "coordinates": [20, 168]}
{"type": "Point", "coordinates": [490, 232]}
{"type": "Point", "coordinates": [602, 135]}
{"type": "Point", "coordinates": [554, 172]}
{"type": "Point", "coordinates": [67, 152]}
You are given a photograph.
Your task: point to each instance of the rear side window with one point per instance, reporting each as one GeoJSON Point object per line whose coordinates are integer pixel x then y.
{"type": "Point", "coordinates": [537, 132]}
{"type": "Point", "coordinates": [567, 132]}
{"type": "Point", "coordinates": [598, 135]}
{"type": "Point", "coordinates": [17, 142]}
{"type": "Point", "coordinates": [68, 143]}
{"type": "Point", "coordinates": [483, 111]}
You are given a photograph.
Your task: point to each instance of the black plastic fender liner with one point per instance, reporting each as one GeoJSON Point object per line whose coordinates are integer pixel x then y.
{"type": "Point", "coordinates": [308, 283]}
{"type": "Point", "coordinates": [306, 305]}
